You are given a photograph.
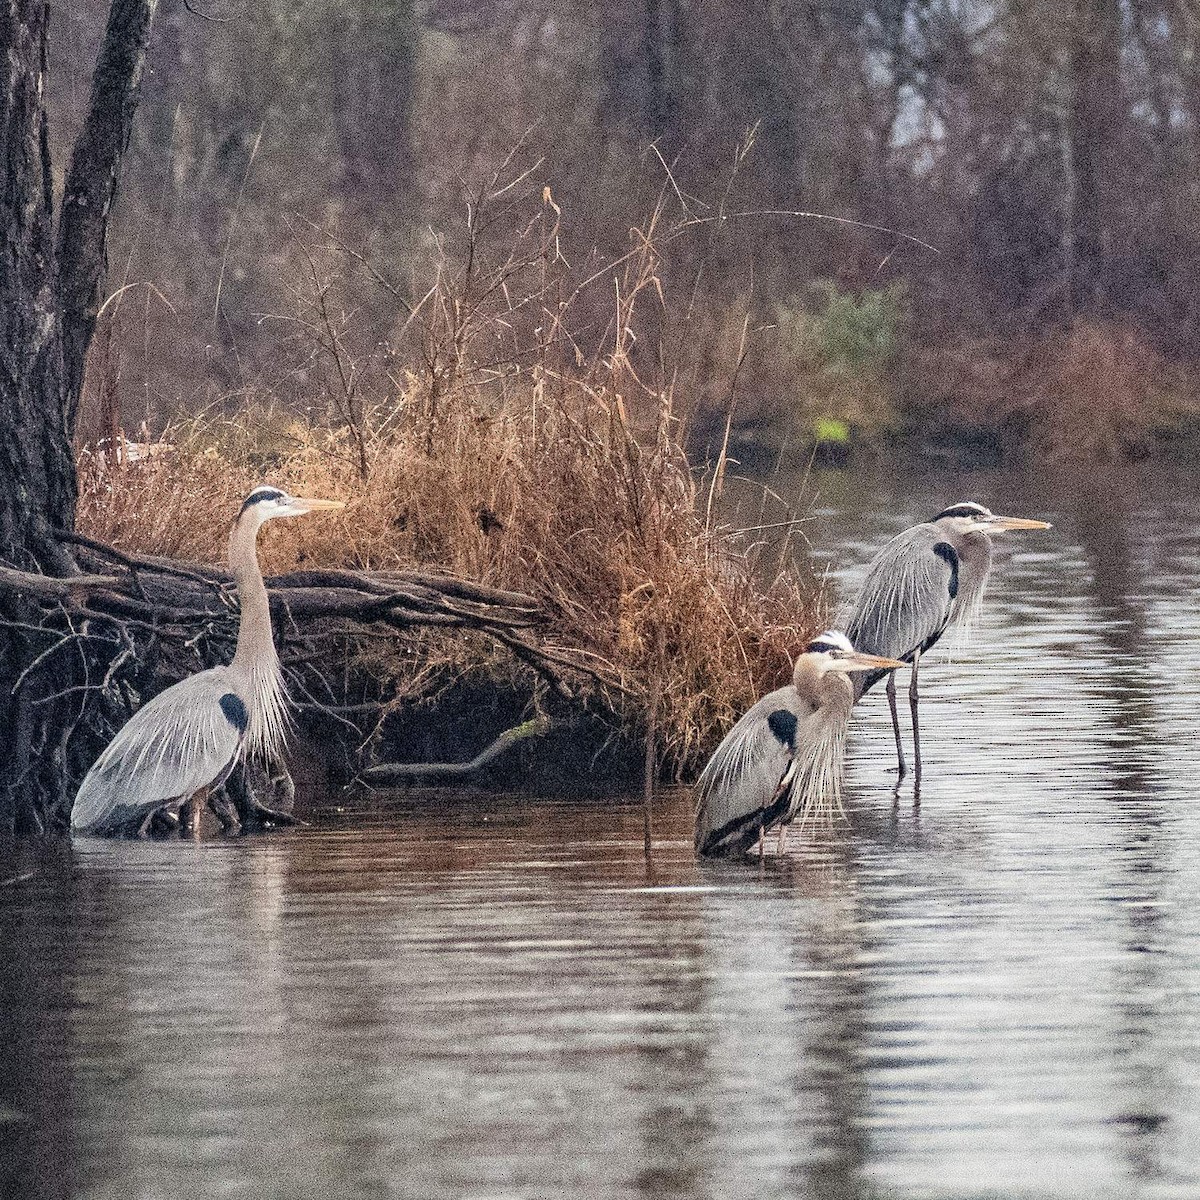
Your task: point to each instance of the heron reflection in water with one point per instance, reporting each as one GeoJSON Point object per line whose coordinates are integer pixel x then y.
{"type": "Point", "coordinates": [190, 737]}
{"type": "Point", "coordinates": [924, 581]}
{"type": "Point", "coordinates": [785, 755]}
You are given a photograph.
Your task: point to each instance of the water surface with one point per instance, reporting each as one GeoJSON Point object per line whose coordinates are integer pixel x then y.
{"type": "Point", "coordinates": [992, 993]}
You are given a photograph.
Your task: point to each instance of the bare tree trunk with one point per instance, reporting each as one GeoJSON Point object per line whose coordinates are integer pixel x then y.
{"type": "Point", "coordinates": [642, 48]}
{"type": "Point", "coordinates": [91, 184]}
{"type": "Point", "coordinates": [1097, 119]}
{"type": "Point", "coordinates": [37, 477]}
{"type": "Point", "coordinates": [49, 292]}
{"type": "Point", "coordinates": [373, 66]}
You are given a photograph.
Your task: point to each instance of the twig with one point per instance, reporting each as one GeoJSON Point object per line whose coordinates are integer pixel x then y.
{"type": "Point", "coordinates": [237, 204]}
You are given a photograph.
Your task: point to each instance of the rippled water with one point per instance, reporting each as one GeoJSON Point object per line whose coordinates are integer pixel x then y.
{"type": "Point", "coordinates": [995, 993]}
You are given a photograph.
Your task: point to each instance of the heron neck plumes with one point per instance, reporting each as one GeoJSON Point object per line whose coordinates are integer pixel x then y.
{"type": "Point", "coordinates": [255, 659]}
{"type": "Point", "coordinates": [829, 692]}
{"type": "Point", "coordinates": [975, 565]}
{"type": "Point", "coordinates": [817, 766]}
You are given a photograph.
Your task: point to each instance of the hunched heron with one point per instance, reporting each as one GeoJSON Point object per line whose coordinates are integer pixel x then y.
{"type": "Point", "coordinates": [785, 755]}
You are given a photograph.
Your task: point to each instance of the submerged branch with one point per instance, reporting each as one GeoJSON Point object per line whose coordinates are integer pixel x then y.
{"type": "Point", "coordinates": [385, 773]}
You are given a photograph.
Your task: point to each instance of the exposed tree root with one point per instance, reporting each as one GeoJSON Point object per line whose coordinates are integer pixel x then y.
{"type": "Point", "coordinates": [127, 626]}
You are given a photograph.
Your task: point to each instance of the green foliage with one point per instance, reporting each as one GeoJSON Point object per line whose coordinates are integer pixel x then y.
{"type": "Point", "coordinates": [859, 334]}
{"type": "Point", "coordinates": [829, 431]}
{"type": "Point", "coordinates": [842, 352]}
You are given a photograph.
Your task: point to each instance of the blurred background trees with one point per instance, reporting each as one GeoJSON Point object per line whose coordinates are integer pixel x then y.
{"type": "Point", "coordinates": [1046, 148]}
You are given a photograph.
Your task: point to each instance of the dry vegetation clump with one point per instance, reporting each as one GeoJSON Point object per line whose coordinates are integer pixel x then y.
{"type": "Point", "coordinates": [558, 500]}
{"type": "Point", "coordinates": [558, 474]}
{"type": "Point", "coordinates": [1093, 392]}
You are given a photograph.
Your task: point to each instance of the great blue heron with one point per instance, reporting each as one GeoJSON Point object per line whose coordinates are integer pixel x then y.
{"type": "Point", "coordinates": [785, 754]}
{"type": "Point", "coordinates": [192, 735]}
{"type": "Point", "coordinates": [923, 581]}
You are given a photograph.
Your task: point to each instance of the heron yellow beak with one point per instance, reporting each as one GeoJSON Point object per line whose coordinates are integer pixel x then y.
{"type": "Point", "coordinates": [871, 662]}
{"type": "Point", "coordinates": [999, 523]}
{"type": "Point", "coordinates": [306, 504]}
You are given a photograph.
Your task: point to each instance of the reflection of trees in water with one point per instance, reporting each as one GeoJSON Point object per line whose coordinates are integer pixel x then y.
{"type": "Point", "coordinates": [784, 999]}
{"type": "Point", "coordinates": [39, 936]}
{"type": "Point", "coordinates": [1107, 520]}
{"type": "Point", "coordinates": [176, 1011]}
{"type": "Point", "coordinates": [552, 1011]}
{"type": "Point", "coordinates": [1119, 534]}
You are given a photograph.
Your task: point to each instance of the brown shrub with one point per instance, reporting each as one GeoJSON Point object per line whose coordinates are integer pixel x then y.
{"type": "Point", "coordinates": [551, 495]}
{"type": "Point", "coordinates": [514, 429]}
{"type": "Point", "coordinates": [1095, 391]}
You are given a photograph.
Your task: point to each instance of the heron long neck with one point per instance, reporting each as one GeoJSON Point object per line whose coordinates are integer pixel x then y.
{"type": "Point", "coordinates": [255, 659]}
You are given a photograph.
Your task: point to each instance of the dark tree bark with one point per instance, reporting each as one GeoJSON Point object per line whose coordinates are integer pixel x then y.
{"type": "Point", "coordinates": [37, 478]}
{"type": "Point", "coordinates": [50, 283]}
{"type": "Point", "coordinates": [1096, 130]}
{"type": "Point", "coordinates": [640, 67]}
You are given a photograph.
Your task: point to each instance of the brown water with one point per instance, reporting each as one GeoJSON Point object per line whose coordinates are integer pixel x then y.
{"type": "Point", "coordinates": [994, 994]}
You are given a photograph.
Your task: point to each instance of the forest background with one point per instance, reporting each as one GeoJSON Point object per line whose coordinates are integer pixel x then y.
{"type": "Point", "coordinates": [1031, 168]}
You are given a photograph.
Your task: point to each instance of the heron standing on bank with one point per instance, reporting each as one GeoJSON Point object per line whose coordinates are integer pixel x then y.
{"type": "Point", "coordinates": [191, 736]}
{"type": "Point", "coordinates": [926, 579]}
{"type": "Point", "coordinates": [785, 754]}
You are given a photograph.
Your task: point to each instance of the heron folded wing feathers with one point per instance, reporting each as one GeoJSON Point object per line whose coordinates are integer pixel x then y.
{"type": "Point", "coordinates": [174, 745]}
{"type": "Point", "coordinates": [740, 785]}
{"type": "Point", "coordinates": [905, 601]}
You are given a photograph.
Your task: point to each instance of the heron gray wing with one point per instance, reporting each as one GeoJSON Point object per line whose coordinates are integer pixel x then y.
{"type": "Point", "coordinates": [739, 787]}
{"type": "Point", "coordinates": [184, 739]}
{"type": "Point", "coordinates": [905, 601]}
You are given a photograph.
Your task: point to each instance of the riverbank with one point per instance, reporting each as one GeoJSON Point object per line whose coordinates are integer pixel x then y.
{"type": "Point", "coordinates": [547, 491]}
{"type": "Point", "coordinates": [848, 376]}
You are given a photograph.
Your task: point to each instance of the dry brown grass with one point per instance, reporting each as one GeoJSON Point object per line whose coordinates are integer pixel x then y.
{"type": "Point", "coordinates": [559, 474]}
{"type": "Point", "coordinates": [1093, 392]}
{"type": "Point", "coordinates": [558, 500]}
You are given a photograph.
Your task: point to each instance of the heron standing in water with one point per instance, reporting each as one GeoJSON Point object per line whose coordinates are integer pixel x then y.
{"type": "Point", "coordinates": [785, 755]}
{"type": "Point", "coordinates": [190, 737]}
{"type": "Point", "coordinates": [926, 579]}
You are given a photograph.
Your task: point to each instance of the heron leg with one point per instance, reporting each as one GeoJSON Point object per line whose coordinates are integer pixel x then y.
{"type": "Point", "coordinates": [247, 786]}
{"type": "Point", "coordinates": [157, 822]}
{"type": "Point", "coordinates": [782, 840]}
{"type": "Point", "coordinates": [189, 813]}
{"type": "Point", "coordinates": [913, 701]}
{"type": "Point", "coordinates": [222, 807]}
{"type": "Point", "coordinates": [283, 788]}
{"type": "Point", "coordinates": [891, 695]}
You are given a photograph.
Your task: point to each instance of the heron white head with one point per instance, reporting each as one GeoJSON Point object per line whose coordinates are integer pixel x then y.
{"type": "Point", "coordinates": [969, 517]}
{"type": "Point", "coordinates": [832, 651]}
{"type": "Point", "coordinates": [267, 503]}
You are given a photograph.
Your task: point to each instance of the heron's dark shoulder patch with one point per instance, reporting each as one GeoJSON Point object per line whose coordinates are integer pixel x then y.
{"type": "Point", "coordinates": [783, 725]}
{"type": "Point", "coordinates": [259, 494]}
{"type": "Point", "coordinates": [235, 711]}
{"type": "Point", "coordinates": [949, 556]}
